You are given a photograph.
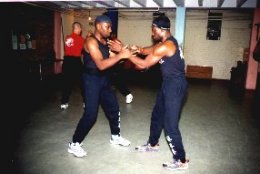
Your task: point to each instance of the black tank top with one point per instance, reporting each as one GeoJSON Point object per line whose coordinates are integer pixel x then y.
{"type": "Point", "coordinates": [88, 61]}
{"type": "Point", "coordinates": [173, 66]}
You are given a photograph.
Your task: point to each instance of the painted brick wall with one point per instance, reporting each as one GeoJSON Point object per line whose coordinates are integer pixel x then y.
{"type": "Point", "coordinates": [221, 54]}
{"type": "Point", "coordinates": [135, 27]}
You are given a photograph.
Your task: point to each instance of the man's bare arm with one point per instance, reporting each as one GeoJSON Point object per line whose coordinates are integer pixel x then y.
{"type": "Point", "coordinates": [116, 45]}
{"type": "Point", "coordinates": [156, 53]}
{"type": "Point", "coordinates": [91, 46]}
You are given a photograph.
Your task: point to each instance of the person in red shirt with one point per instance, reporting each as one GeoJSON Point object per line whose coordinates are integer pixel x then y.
{"type": "Point", "coordinates": [72, 64]}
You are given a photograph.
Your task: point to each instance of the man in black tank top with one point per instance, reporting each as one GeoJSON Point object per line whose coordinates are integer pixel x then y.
{"type": "Point", "coordinates": [97, 90]}
{"type": "Point", "coordinates": [166, 112]}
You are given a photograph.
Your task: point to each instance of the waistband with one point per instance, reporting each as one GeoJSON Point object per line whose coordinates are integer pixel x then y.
{"type": "Point", "coordinates": [174, 77]}
{"type": "Point", "coordinates": [93, 71]}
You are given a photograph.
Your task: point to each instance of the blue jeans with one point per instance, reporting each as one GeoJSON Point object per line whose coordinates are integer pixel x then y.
{"type": "Point", "coordinates": [166, 115]}
{"type": "Point", "coordinates": [97, 90]}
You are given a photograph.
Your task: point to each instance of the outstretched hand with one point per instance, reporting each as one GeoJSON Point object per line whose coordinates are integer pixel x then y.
{"type": "Point", "coordinates": [136, 49]}
{"type": "Point", "coordinates": [126, 53]}
{"type": "Point", "coordinates": [115, 45]}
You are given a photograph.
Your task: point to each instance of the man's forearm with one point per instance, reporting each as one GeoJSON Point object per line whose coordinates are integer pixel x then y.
{"type": "Point", "coordinates": [140, 63]}
{"type": "Point", "coordinates": [107, 63]}
{"type": "Point", "coordinates": [146, 50]}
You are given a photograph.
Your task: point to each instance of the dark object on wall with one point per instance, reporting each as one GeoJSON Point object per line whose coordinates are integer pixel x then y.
{"type": "Point", "coordinates": [31, 35]}
{"type": "Point", "coordinates": [256, 53]}
{"type": "Point", "coordinates": [214, 26]}
{"type": "Point", "coordinates": [30, 40]}
{"type": "Point", "coordinates": [238, 78]}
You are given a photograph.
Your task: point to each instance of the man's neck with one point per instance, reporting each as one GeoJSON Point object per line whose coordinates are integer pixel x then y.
{"type": "Point", "coordinates": [166, 36]}
{"type": "Point", "coordinates": [99, 37]}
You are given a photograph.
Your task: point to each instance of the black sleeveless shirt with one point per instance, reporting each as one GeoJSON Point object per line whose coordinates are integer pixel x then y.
{"type": "Point", "coordinates": [88, 61]}
{"type": "Point", "coordinates": [173, 66]}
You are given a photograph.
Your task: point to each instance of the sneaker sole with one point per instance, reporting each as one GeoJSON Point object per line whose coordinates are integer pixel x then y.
{"type": "Point", "coordinates": [168, 167]}
{"type": "Point", "coordinates": [79, 156]}
{"type": "Point", "coordinates": [113, 143]}
{"type": "Point", "coordinates": [128, 102]}
{"type": "Point", "coordinates": [152, 150]}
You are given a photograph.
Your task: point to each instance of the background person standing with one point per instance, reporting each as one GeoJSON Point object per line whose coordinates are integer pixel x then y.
{"type": "Point", "coordinates": [72, 64]}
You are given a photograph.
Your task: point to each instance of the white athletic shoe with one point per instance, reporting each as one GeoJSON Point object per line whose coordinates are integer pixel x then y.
{"type": "Point", "coordinates": [176, 165]}
{"type": "Point", "coordinates": [129, 98]}
{"type": "Point", "coordinates": [118, 140]}
{"type": "Point", "coordinates": [147, 148]}
{"type": "Point", "coordinates": [77, 150]}
{"type": "Point", "coordinates": [64, 106]}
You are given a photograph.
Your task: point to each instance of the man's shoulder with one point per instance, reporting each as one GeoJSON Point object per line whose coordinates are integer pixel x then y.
{"type": "Point", "coordinates": [68, 36]}
{"type": "Point", "coordinates": [169, 43]}
{"type": "Point", "coordinates": [90, 40]}
{"type": "Point", "coordinates": [164, 45]}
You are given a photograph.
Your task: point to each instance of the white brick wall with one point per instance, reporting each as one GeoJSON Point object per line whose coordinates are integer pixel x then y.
{"type": "Point", "coordinates": [135, 28]}
{"type": "Point", "coordinates": [221, 54]}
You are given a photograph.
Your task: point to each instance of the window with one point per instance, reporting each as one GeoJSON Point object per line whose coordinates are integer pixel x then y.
{"type": "Point", "coordinates": [214, 26]}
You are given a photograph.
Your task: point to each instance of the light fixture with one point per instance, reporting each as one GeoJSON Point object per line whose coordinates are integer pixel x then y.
{"type": "Point", "coordinates": [89, 17]}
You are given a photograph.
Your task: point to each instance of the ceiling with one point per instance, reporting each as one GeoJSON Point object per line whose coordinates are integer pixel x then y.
{"type": "Point", "coordinates": [64, 6]}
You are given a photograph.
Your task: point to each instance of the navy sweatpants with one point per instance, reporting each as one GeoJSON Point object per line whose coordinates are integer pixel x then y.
{"type": "Point", "coordinates": [166, 115]}
{"type": "Point", "coordinates": [97, 90]}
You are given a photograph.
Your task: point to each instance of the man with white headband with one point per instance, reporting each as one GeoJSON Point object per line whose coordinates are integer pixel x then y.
{"type": "Point", "coordinates": [166, 112]}
{"type": "Point", "coordinates": [167, 109]}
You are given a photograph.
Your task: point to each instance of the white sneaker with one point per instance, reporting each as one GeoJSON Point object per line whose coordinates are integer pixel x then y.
{"type": "Point", "coordinates": [64, 106]}
{"type": "Point", "coordinates": [118, 140]}
{"type": "Point", "coordinates": [129, 98]}
{"type": "Point", "coordinates": [77, 150]}
{"type": "Point", "coordinates": [147, 148]}
{"type": "Point", "coordinates": [176, 165]}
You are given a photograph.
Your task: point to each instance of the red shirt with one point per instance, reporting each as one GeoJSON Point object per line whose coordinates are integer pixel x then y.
{"type": "Point", "coordinates": [73, 45]}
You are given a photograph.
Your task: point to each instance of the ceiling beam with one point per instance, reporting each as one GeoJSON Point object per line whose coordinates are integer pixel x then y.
{"type": "Point", "coordinates": [123, 2]}
{"type": "Point", "coordinates": [61, 4]}
{"type": "Point", "coordinates": [200, 2]}
{"type": "Point", "coordinates": [240, 2]}
{"type": "Point", "coordinates": [75, 3]}
{"type": "Point", "coordinates": [106, 3]}
{"type": "Point", "coordinates": [46, 5]}
{"type": "Point", "coordinates": [220, 3]}
{"type": "Point", "coordinates": [159, 2]}
{"type": "Point", "coordinates": [89, 3]}
{"type": "Point", "coordinates": [141, 2]}
{"type": "Point", "coordinates": [179, 3]}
